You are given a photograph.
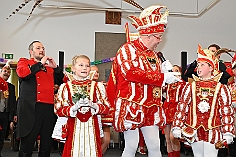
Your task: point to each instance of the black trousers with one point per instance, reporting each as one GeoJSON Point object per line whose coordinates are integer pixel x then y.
{"type": "Point", "coordinates": [230, 151]}
{"type": "Point", "coordinates": [43, 126]}
{"type": "Point", "coordinates": [4, 122]}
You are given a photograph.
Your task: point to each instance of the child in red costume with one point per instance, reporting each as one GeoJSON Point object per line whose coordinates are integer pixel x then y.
{"type": "Point", "coordinates": [205, 116]}
{"type": "Point", "coordinates": [81, 100]}
{"type": "Point", "coordinates": [172, 98]}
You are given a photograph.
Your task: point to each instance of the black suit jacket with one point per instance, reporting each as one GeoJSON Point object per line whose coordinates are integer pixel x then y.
{"type": "Point", "coordinates": [27, 99]}
{"type": "Point", "coordinates": [11, 105]}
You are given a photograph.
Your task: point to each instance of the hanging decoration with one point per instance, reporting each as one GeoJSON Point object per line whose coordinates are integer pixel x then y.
{"type": "Point", "coordinates": [3, 61]}
{"type": "Point", "coordinates": [103, 61]}
{"type": "Point", "coordinates": [37, 3]}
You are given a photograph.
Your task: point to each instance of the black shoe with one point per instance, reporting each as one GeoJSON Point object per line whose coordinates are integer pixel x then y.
{"type": "Point", "coordinates": [23, 154]}
{"type": "Point", "coordinates": [44, 153]}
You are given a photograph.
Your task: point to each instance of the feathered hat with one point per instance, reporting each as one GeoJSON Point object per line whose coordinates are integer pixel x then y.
{"type": "Point", "coordinates": [151, 20]}
{"type": "Point", "coordinates": [205, 55]}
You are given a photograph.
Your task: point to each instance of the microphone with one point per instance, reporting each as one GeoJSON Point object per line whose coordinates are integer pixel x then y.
{"type": "Point", "coordinates": [162, 58]}
{"type": "Point", "coordinates": [160, 55]}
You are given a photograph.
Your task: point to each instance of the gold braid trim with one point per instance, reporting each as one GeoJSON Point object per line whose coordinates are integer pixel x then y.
{"type": "Point", "coordinates": [194, 104]}
{"type": "Point", "coordinates": [6, 94]}
{"type": "Point", "coordinates": [92, 90]}
{"type": "Point", "coordinates": [217, 89]}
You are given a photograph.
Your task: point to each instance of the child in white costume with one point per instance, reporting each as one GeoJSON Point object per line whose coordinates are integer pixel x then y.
{"type": "Point", "coordinates": [204, 116]}
{"type": "Point", "coordinates": [81, 100]}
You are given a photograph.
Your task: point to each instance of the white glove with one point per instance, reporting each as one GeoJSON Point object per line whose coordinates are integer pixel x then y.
{"type": "Point", "coordinates": [170, 77]}
{"type": "Point", "coordinates": [234, 104]}
{"type": "Point", "coordinates": [166, 66]}
{"type": "Point", "coordinates": [86, 102]}
{"type": "Point", "coordinates": [78, 104]}
{"type": "Point", "coordinates": [229, 138]}
{"type": "Point", "coordinates": [93, 105]}
{"type": "Point", "coordinates": [176, 133]}
{"type": "Point", "coordinates": [89, 103]}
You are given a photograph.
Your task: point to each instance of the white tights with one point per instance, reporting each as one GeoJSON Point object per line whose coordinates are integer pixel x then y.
{"type": "Point", "coordinates": [204, 149]}
{"type": "Point", "coordinates": [151, 137]}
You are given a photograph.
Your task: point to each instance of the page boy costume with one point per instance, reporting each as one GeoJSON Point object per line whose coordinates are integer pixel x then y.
{"type": "Point", "coordinates": [204, 114]}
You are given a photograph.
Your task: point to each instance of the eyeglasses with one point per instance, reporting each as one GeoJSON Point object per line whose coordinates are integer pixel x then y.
{"type": "Point", "coordinates": [159, 38]}
{"type": "Point", "coordinates": [6, 71]}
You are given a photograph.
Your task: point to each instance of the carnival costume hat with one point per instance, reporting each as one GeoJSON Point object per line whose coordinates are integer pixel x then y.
{"type": "Point", "coordinates": [150, 20]}
{"type": "Point", "coordinates": [205, 55]}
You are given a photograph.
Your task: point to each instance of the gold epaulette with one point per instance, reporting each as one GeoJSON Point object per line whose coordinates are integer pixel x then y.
{"type": "Point", "coordinates": [217, 77]}
{"type": "Point", "coordinates": [195, 78]}
{"type": "Point", "coordinates": [231, 80]}
{"type": "Point", "coordinates": [70, 76]}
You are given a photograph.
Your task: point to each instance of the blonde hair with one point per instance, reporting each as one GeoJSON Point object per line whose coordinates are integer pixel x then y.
{"type": "Point", "coordinates": [74, 59]}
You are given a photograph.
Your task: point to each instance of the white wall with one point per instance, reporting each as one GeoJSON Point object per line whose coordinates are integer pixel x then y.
{"type": "Point", "coordinates": [73, 31]}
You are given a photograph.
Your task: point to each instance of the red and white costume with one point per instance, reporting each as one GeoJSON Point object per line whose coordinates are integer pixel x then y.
{"type": "Point", "coordinates": [135, 86]}
{"type": "Point", "coordinates": [82, 130]}
{"type": "Point", "coordinates": [138, 88]}
{"type": "Point", "coordinates": [232, 87]}
{"type": "Point", "coordinates": [107, 119]}
{"type": "Point", "coordinates": [204, 113]}
{"type": "Point", "coordinates": [173, 92]}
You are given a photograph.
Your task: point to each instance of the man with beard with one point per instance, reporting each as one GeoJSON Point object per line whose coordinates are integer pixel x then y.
{"type": "Point", "coordinates": [35, 108]}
